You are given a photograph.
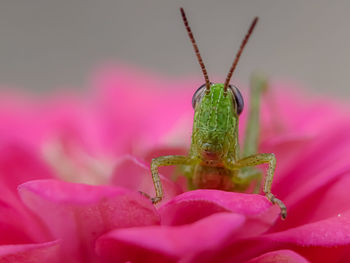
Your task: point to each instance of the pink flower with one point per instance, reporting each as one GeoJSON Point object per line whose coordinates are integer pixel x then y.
{"type": "Point", "coordinates": [71, 168]}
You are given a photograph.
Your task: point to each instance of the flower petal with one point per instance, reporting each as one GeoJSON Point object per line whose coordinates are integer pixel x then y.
{"type": "Point", "coordinates": [308, 172]}
{"type": "Point", "coordinates": [78, 213]}
{"type": "Point", "coordinates": [133, 174]}
{"type": "Point", "coordinates": [169, 172]}
{"type": "Point", "coordinates": [30, 253]}
{"type": "Point", "coordinates": [19, 163]}
{"type": "Point", "coordinates": [168, 243]}
{"type": "Point", "coordinates": [18, 226]}
{"type": "Point", "coordinates": [287, 148]}
{"type": "Point", "coordinates": [334, 231]}
{"type": "Point", "coordinates": [323, 241]}
{"type": "Point", "coordinates": [285, 256]}
{"type": "Point", "coordinates": [327, 201]}
{"type": "Point", "coordinates": [194, 205]}
{"type": "Point", "coordinates": [136, 124]}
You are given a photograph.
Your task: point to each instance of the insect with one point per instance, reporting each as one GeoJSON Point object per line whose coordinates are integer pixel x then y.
{"type": "Point", "coordinates": [214, 160]}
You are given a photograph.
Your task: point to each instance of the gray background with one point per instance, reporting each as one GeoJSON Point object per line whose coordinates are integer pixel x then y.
{"type": "Point", "coordinates": [46, 44]}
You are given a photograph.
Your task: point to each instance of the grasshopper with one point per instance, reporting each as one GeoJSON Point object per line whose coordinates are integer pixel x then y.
{"type": "Point", "coordinates": [214, 160]}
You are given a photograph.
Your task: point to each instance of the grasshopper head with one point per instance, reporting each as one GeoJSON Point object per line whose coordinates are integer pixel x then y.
{"type": "Point", "coordinates": [217, 107]}
{"type": "Point", "coordinates": [215, 119]}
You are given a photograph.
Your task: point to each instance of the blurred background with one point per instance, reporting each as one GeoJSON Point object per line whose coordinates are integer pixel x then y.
{"type": "Point", "coordinates": [48, 45]}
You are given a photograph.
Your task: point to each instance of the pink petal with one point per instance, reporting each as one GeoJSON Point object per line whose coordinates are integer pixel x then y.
{"type": "Point", "coordinates": [169, 172]}
{"type": "Point", "coordinates": [293, 109]}
{"type": "Point", "coordinates": [279, 256]}
{"type": "Point", "coordinates": [19, 226]}
{"type": "Point", "coordinates": [333, 197]}
{"type": "Point", "coordinates": [78, 213]}
{"type": "Point", "coordinates": [317, 168]}
{"type": "Point", "coordinates": [168, 244]}
{"type": "Point", "coordinates": [16, 116]}
{"type": "Point", "coordinates": [134, 174]}
{"type": "Point", "coordinates": [18, 164]}
{"type": "Point", "coordinates": [75, 124]}
{"type": "Point", "coordinates": [312, 179]}
{"type": "Point", "coordinates": [334, 231]}
{"type": "Point", "coordinates": [326, 201]}
{"type": "Point", "coordinates": [331, 147]}
{"type": "Point", "coordinates": [135, 123]}
{"type": "Point", "coordinates": [30, 253]}
{"type": "Point", "coordinates": [17, 223]}
{"type": "Point", "coordinates": [287, 148]}
{"type": "Point", "coordinates": [194, 205]}
{"type": "Point", "coordinates": [323, 241]}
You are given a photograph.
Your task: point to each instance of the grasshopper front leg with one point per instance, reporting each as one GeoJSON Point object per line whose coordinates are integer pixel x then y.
{"type": "Point", "coordinates": [262, 158]}
{"type": "Point", "coordinates": [164, 161]}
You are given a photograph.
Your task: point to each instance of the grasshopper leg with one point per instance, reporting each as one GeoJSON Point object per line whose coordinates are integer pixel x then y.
{"type": "Point", "coordinates": [262, 158]}
{"type": "Point", "coordinates": [164, 161]}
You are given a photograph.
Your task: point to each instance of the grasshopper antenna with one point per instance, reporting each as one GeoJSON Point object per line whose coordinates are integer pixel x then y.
{"type": "Point", "coordinates": [194, 44]}
{"type": "Point", "coordinates": [235, 62]}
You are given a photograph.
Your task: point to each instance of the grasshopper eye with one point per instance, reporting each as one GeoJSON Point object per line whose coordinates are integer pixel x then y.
{"type": "Point", "coordinates": [197, 95]}
{"type": "Point", "coordinates": [238, 98]}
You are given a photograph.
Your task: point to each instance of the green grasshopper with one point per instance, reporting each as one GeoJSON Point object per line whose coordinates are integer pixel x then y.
{"type": "Point", "coordinates": [214, 160]}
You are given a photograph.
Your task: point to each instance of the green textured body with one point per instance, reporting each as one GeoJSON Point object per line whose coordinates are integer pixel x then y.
{"type": "Point", "coordinates": [214, 140]}
{"type": "Point", "coordinates": [215, 124]}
